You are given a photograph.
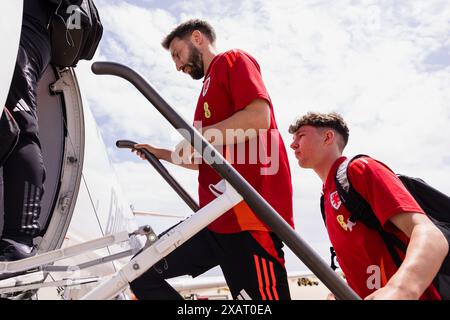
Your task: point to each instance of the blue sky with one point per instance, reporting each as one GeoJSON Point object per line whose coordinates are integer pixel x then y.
{"type": "Point", "coordinates": [384, 65]}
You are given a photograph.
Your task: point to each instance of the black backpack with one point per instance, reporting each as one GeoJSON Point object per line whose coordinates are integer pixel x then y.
{"type": "Point", "coordinates": [75, 31]}
{"type": "Point", "coordinates": [434, 203]}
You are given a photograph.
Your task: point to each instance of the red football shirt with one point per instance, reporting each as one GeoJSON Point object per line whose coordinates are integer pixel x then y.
{"type": "Point", "coordinates": [361, 252]}
{"type": "Point", "coordinates": [232, 81]}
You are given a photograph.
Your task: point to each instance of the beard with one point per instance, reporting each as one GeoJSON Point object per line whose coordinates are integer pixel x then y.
{"type": "Point", "coordinates": [195, 63]}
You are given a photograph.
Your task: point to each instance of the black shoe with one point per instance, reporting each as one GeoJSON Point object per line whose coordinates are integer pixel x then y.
{"type": "Point", "coordinates": [10, 252]}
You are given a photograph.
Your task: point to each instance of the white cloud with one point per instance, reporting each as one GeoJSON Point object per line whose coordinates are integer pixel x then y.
{"type": "Point", "coordinates": [368, 60]}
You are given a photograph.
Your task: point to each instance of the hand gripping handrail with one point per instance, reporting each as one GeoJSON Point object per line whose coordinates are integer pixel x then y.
{"type": "Point", "coordinates": [257, 203]}
{"type": "Point", "coordinates": [163, 172]}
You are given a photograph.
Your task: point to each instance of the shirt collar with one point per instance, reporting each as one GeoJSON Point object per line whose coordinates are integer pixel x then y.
{"type": "Point", "coordinates": [210, 66]}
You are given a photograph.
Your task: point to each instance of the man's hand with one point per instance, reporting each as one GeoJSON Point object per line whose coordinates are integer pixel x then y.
{"type": "Point", "coordinates": [157, 152]}
{"type": "Point", "coordinates": [330, 296]}
{"type": "Point", "coordinates": [389, 292]}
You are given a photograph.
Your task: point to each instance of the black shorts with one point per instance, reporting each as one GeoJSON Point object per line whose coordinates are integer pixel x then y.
{"type": "Point", "coordinates": [252, 263]}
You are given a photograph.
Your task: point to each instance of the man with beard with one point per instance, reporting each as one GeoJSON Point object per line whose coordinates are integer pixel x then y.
{"type": "Point", "coordinates": [233, 99]}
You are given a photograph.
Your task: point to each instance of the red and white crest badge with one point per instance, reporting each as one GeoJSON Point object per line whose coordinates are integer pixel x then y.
{"type": "Point", "coordinates": [335, 200]}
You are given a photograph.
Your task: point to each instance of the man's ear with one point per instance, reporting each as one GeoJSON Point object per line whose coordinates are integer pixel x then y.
{"type": "Point", "coordinates": [197, 37]}
{"type": "Point", "coordinates": [329, 136]}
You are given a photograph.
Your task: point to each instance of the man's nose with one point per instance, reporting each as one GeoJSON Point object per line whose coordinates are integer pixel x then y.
{"type": "Point", "coordinates": [178, 64]}
{"type": "Point", "coordinates": [294, 145]}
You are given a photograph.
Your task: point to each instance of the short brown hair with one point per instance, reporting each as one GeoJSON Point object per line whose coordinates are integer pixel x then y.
{"type": "Point", "coordinates": [186, 28]}
{"type": "Point", "coordinates": [331, 120]}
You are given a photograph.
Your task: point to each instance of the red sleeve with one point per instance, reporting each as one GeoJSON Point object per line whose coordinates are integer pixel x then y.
{"type": "Point", "coordinates": [383, 190]}
{"type": "Point", "coordinates": [245, 80]}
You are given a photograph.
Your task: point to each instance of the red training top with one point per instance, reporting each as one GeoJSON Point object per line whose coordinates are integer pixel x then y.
{"type": "Point", "coordinates": [361, 252]}
{"type": "Point", "coordinates": [232, 81]}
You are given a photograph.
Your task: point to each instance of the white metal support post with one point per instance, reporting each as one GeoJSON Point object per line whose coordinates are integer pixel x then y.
{"type": "Point", "coordinates": [166, 244]}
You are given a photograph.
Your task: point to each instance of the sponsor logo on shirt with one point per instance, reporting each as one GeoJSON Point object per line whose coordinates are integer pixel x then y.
{"type": "Point", "coordinates": [206, 86]}
{"type": "Point", "coordinates": [347, 226]}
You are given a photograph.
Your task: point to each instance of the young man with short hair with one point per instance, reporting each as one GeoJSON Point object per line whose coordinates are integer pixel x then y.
{"type": "Point", "coordinates": [233, 99]}
{"type": "Point", "coordinates": [318, 142]}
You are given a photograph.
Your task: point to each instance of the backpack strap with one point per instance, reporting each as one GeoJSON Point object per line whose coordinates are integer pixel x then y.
{"type": "Point", "coordinates": [333, 256]}
{"type": "Point", "coordinates": [360, 210]}
{"type": "Point", "coordinates": [333, 253]}
{"type": "Point", "coordinates": [322, 209]}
